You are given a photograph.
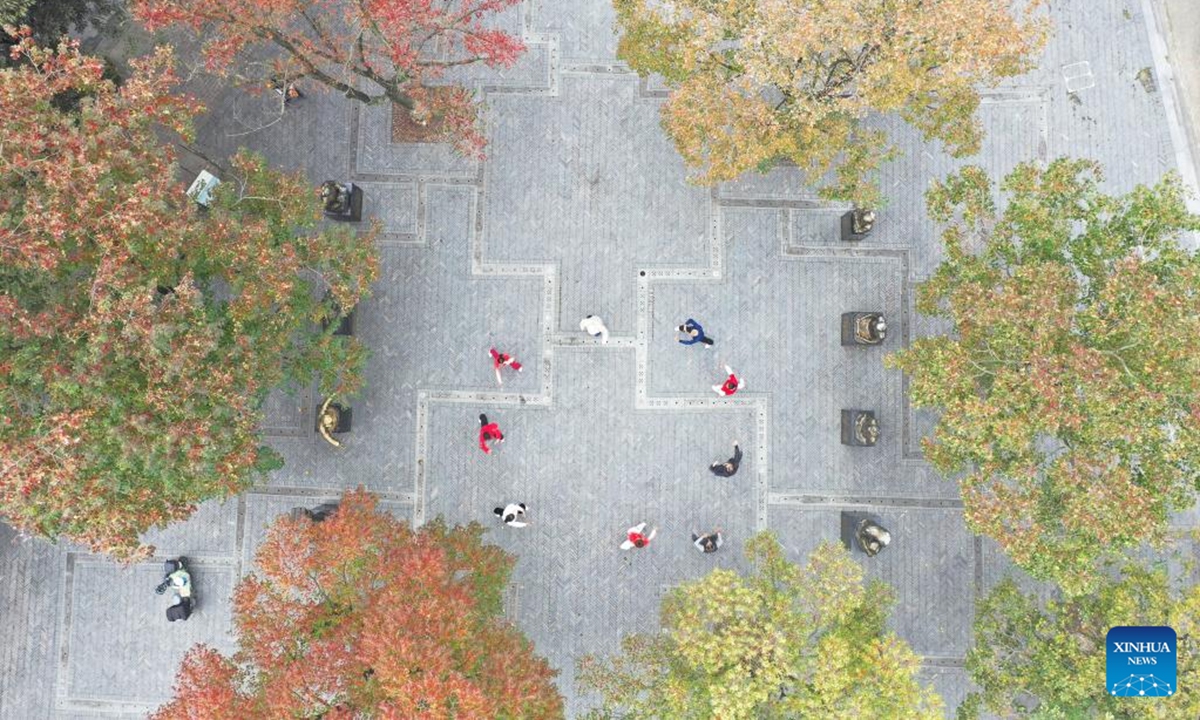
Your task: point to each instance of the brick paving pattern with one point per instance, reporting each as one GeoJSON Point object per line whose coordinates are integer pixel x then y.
{"type": "Point", "coordinates": [582, 207]}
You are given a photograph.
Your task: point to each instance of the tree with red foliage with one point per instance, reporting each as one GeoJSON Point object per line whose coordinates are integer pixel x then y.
{"type": "Point", "coordinates": [359, 616]}
{"type": "Point", "coordinates": [139, 336]}
{"type": "Point", "coordinates": [373, 51]}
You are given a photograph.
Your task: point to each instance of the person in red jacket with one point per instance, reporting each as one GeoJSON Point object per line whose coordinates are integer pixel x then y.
{"type": "Point", "coordinates": [731, 385]}
{"type": "Point", "coordinates": [635, 538]}
{"type": "Point", "coordinates": [499, 360]}
{"type": "Point", "coordinates": [488, 431]}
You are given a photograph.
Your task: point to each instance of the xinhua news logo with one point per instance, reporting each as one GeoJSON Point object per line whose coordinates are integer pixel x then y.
{"type": "Point", "coordinates": [1141, 662]}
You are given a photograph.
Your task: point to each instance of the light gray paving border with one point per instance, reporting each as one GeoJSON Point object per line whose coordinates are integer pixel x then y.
{"type": "Point", "coordinates": [254, 521]}
{"type": "Point", "coordinates": [309, 492]}
{"type": "Point", "coordinates": [551, 43]}
{"type": "Point", "coordinates": [64, 701]}
{"type": "Point", "coordinates": [1168, 90]}
{"type": "Point", "coordinates": [1036, 94]}
{"type": "Point", "coordinates": [944, 662]}
{"type": "Point", "coordinates": [237, 564]}
{"type": "Point", "coordinates": [910, 452]}
{"type": "Point", "coordinates": [551, 277]}
{"type": "Point", "coordinates": [550, 311]}
{"type": "Point", "coordinates": [713, 270]}
{"type": "Point", "coordinates": [61, 700]}
{"type": "Point", "coordinates": [647, 91]}
{"type": "Point", "coordinates": [278, 424]}
{"type": "Point", "coordinates": [512, 600]}
{"type": "Point", "coordinates": [390, 237]}
{"type": "Point", "coordinates": [788, 206]}
{"type": "Point", "coordinates": [797, 499]}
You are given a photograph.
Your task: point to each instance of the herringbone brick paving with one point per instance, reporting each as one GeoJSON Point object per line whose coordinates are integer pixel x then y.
{"type": "Point", "coordinates": [580, 194]}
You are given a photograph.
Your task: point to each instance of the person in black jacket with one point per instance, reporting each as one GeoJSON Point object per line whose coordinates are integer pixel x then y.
{"type": "Point", "coordinates": [730, 467]}
{"type": "Point", "coordinates": [708, 542]}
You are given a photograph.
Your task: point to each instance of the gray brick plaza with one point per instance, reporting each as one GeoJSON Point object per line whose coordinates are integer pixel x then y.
{"type": "Point", "coordinates": [582, 208]}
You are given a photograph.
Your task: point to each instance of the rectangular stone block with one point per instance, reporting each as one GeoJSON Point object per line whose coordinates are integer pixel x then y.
{"type": "Point", "coordinates": [852, 422]}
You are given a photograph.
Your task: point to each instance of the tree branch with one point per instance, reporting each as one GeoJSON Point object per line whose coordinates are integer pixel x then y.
{"type": "Point", "coordinates": [312, 69]}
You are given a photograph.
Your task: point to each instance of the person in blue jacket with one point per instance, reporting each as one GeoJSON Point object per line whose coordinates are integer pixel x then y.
{"type": "Point", "coordinates": [692, 333]}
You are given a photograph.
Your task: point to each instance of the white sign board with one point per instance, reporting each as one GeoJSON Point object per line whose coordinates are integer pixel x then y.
{"type": "Point", "coordinates": [202, 186]}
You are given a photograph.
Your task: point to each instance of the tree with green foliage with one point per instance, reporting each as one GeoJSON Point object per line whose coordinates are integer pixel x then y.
{"type": "Point", "coordinates": [140, 335]}
{"type": "Point", "coordinates": [1067, 390]}
{"type": "Point", "coordinates": [1046, 658]}
{"type": "Point", "coordinates": [756, 81]}
{"type": "Point", "coordinates": [783, 641]}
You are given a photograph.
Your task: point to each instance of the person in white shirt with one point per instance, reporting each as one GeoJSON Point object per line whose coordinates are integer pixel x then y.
{"type": "Point", "coordinates": [594, 326]}
{"type": "Point", "coordinates": [510, 514]}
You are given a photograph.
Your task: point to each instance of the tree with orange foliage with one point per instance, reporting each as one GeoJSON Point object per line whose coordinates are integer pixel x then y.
{"type": "Point", "coordinates": [138, 335]}
{"type": "Point", "coordinates": [359, 616]}
{"type": "Point", "coordinates": [373, 51]}
{"type": "Point", "coordinates": [756, 81]}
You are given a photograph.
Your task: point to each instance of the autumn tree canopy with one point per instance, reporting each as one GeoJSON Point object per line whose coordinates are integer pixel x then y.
{"type": "Point", "coordinates": [755, 81]}
{"type": "Point", "coordinates": [374, 51]}
{"type": "Point", "coordinates": [781, 642]}
{"type": "Point", "coordinates": [359, 616]}
{"type": "Point", "coordinates": [1067, 390]}
{"type": "Point", "coordinates": [138, 336]}
{"type": "Point", "coordinates": [1050, 655]}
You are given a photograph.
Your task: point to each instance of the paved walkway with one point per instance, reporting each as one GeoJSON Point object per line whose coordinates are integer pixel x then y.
{"type": "Point", "coordinates": [582, 208]}
{"type": "Point", "coordinates": [1175, 44]}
